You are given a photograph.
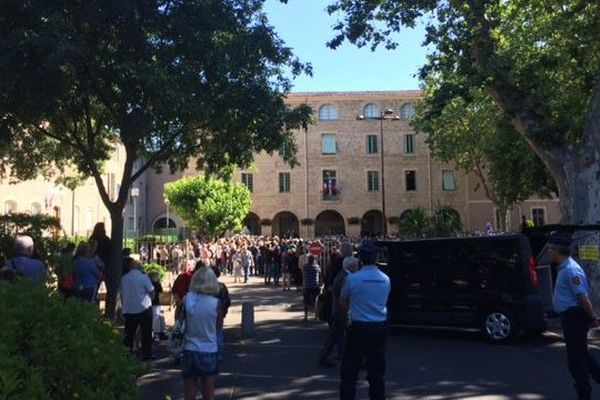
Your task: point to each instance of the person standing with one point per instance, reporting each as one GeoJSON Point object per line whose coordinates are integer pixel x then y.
{"type": "Point", "coordinates": [339, 315]}
{"type": "Point", "coordinates": [86, 274]}
{"type": "Point", "coordinates": [137, 292]}
{"type": "Point", "coordinates": [103, 243]}
{"type": "Point", "coordinates": [311, 283]}
{"type": "Point", "coordinates": [24, 264]}
{"type": "Point", "coordinates": [571, 302]}
{"type": "Point", "coordinates": [365, 294]}
{"type": "Point", "coordinates": [203, 318]}
{"type": "Point", "coordinates": [246, 261]}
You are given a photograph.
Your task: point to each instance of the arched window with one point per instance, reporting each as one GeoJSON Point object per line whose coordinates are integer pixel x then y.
{"type": "Point", "coordinates": [371, 111]}
{"type": "Point", "coordinates": [10, 207]}
{"type": "Point", "coordinates": [327, 112]}
{"type": "Point", "coordinates": [407, 111]}
{"type": "Point", "coordinates": [36, 208]}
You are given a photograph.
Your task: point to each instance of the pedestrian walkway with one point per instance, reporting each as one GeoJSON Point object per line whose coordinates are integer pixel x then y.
{"type": "Point", "coordinates": [279, 362]}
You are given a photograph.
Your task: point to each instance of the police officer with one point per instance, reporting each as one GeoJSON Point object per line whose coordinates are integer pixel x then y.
{"type": "Point", "coordinates": [576, 313]}
{"type": "Point", "coordinates": [365, 294]}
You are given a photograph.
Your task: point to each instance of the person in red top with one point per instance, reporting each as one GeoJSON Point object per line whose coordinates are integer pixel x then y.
{"type": "Point", "coordinates": [180, 288]}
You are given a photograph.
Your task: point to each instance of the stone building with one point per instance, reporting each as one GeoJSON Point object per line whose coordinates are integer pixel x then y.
{"type": "Point", "coordinates": [78, 210]}
{"type": "Point", "coordinates": [360, 166]}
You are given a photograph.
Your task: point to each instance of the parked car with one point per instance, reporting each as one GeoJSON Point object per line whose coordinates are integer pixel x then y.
{"type": "Point", "coordinates": [486, 282]}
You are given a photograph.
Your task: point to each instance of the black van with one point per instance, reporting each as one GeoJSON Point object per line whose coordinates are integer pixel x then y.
{"type": "Point", "coordinates": [486, 282]}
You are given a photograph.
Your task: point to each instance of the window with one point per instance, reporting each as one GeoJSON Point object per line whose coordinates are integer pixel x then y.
{"type": "Point", "coordinates": [409, 144]}
{"type": "Point", "coordinates": [330, 189]}
{"type": "Point", "coordinates": [284, 182]}
{"type": "Point", "coordinates": [327, 112]}
{"type": "Point", "coordinates": [373, 181]}
{"type": "Point", "coordinates": [372, 144]}
{"type": "Point", "coordinates": [410, 180]}
{"type": "Point", "coordinates": [407, 111]}
{"type": "Point", "coordinates": [448, 180]}
{"type": "Point", "coordinates": [371, 111]}
{"type": "Point", "coordinates": [10, 207]}
{"type": "Point", "coordinates": [538, 215]}
{"type": "Point", "coordinates": [328, 144]}
{"type": "Point", "coordinates": [36, 208]}
{"type": "Point", "coordinates": [248, 180]}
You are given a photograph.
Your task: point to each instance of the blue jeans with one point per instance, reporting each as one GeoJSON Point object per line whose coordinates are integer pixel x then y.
{"type": "Point", "coordinates": [275, 272]}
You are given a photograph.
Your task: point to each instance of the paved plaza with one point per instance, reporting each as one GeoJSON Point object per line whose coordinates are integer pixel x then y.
{"type": "Point", "coordinates": [280, 361]}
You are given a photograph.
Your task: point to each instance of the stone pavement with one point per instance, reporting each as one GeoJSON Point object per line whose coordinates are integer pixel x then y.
{"type": "Point", "coordinates": [280, 361]}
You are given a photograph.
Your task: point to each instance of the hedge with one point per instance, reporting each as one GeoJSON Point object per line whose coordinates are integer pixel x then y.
{"type": "Point", "coordinates": [56, 349]}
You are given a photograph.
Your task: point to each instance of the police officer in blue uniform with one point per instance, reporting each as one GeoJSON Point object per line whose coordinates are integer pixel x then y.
{"type": "Point", "coordinates": [365, 294]}
{"type": "Point", "coordinates": [576, 313]}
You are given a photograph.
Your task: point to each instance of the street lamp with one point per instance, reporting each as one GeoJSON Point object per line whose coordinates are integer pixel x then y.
{"type": "Point", "coordinates": [135, 192]}
{"type": "Point", "coordinates": [383, 115]}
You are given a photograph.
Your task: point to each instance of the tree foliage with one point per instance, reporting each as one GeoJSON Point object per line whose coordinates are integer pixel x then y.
{"type": "Point", "coordinates": [478, 139]}
{"type": "Point", "coordinates": [212, 206]}
{"type": "Point", "coordinates": [537, 60]}
{"type": "Point", "coordinates": [419, 222]}
{"type": "Point", "coordinates": [170, 80]}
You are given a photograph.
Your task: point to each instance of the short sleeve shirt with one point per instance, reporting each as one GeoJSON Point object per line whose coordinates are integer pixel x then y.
{"type": "Point", "coordinates": [367, 292]}
{"type": "Point", "coordinates": [135, 292]}
{"type": "Point", "coordinates": [27, 267]}
{"type": "Point", "coordinates": [571, 282]}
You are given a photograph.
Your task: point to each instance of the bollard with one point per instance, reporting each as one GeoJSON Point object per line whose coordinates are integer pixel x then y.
{"type": "Point", "coordinates": [247, 319]}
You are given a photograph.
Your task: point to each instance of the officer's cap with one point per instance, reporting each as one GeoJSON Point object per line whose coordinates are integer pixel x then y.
{"type": "Point", "coordinates": [367, 249]}
{"type": "Point", "coordinates": [560, 239]}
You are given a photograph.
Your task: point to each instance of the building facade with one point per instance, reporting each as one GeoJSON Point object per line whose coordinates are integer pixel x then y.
{"type": "Point", "coordinates": [78, 210]}
{"type": "Point", "coordinates": [361, 166]}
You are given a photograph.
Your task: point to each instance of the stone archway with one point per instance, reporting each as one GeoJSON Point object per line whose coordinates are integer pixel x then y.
{"type": "Point", "coordinates": [285, 224]}
{"type": "Point", "coordinates": [251, 224]}
{"type": "Point", "coordinates": [329, 222]}
{"type": "Point", "coordinates": [163, 223]}
{"type": "Point", "coordinates": [370, 223]}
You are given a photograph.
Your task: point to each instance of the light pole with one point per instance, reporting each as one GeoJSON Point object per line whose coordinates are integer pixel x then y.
{"type": "Point", "coordinates": [383, 115]}
{"type": "Point", "coordinates": [135, 192]}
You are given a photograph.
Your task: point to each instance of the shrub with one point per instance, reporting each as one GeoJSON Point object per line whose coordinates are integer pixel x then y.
{"type": "Point", "coordinates": [56, 349]}
{"type": "Point", "coordinates": [42, 228]}
{"type": "Point", "coordinates": [154, 267]}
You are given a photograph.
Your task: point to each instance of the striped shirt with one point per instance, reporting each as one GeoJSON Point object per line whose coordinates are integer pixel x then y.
{"type": "Point", "coordinates": [311, 276]}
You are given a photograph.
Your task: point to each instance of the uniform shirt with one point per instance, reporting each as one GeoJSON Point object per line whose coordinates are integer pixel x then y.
{"type": "Point", "coordinates": [367, 292]}
{"type": "Point", "coordinates": [27, 267]}
{"type": "Point", "coordinates": [570, 283]}
{"type": "Point", "coordinates": [135, 292]}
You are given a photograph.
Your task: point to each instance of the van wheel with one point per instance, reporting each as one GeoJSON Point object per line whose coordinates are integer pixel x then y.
{"type": "Point", "coordinates": [498, 326]}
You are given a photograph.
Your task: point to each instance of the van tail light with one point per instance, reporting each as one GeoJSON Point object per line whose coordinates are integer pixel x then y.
{"type": "Point", "coordinates": [532, 273]}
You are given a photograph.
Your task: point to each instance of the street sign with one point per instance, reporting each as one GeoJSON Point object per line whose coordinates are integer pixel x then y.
{"type": "Point", "coordinates": [315, 248]}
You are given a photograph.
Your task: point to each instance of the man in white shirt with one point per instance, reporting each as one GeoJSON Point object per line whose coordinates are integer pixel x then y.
{"type": "Point", "coordinates": [137, 292]}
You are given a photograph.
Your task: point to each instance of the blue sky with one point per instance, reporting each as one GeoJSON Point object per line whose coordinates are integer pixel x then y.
{"type": "Point", "coordinates": [305, 26]}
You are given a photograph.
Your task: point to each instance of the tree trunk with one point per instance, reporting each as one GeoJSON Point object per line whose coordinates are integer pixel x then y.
{"type": "Point", "coordinates": [113, 273]}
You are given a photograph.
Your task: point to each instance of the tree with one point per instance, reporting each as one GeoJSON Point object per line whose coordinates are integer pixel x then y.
{"type": "Point", "coordinates": [537, 60]}
{"type": "Point", "coordinates": [170, 80]}
{"type": "Point", "coordinates": [478, 139]}
{"type": "Point", "coordinates": [419, 222]}
{"type": "Point", "coordinates": [212, 206]}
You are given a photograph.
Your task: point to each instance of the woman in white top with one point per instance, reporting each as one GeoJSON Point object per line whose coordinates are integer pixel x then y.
{"type": "Point", "coordinates": [203, 315]}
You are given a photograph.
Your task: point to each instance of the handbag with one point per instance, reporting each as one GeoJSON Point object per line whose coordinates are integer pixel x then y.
{"type": "Point", "coordinates": [176, 339]}
{"type": "Point", "coordinates": [323, 306]}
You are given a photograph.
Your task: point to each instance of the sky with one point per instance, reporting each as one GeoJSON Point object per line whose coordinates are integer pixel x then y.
{"type": "Point", "coordinates": [306, 27]}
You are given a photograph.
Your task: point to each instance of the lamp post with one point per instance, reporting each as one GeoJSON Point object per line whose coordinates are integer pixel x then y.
{"type": "Point", "coordinates": [135, 192]}
{"type": "Point", "coordinates": [383, 115]}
